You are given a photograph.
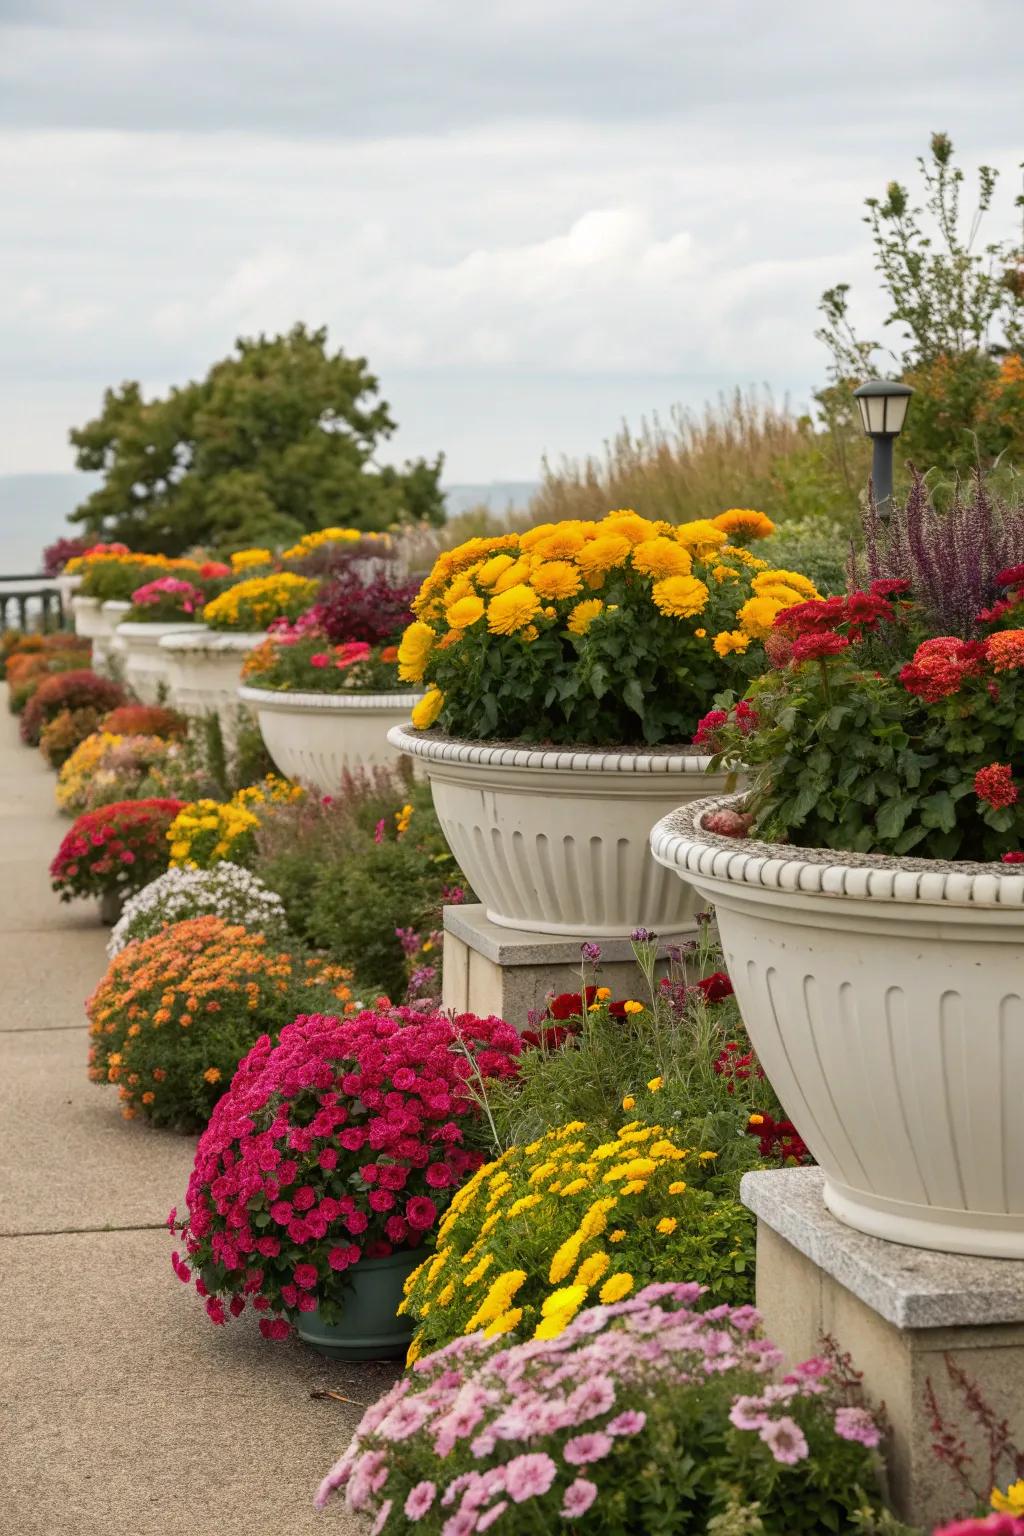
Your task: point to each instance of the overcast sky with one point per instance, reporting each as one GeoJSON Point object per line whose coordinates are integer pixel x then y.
{"type": "Point", "coordinates": [534, 217]}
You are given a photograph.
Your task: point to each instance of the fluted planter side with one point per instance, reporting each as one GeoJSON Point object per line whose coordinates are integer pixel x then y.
{"type": "Point", "coordinates": [146, 666]}
{"type": "Point", "coordinates": [885, 1000]}
{"type": "Point", "coordinates": [315, 737]}
{"type": "Point", "coordinates": [556, 841]}
{"type": "Point", "coordinates": [204, 668]}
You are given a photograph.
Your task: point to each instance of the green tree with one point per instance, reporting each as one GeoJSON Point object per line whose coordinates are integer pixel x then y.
{"type": "Point", "coordinates": [278, 439]}
{"type": "Point", "coordinates": [960, 313]}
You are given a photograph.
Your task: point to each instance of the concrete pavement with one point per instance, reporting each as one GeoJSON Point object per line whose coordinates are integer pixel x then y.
{"type": "Point", "coordinates": [123, 1410]}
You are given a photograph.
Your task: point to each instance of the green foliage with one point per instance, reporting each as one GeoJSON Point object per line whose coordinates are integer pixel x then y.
{"type": "Point", "coordinates": [349, 876]}
{"type": "Point", "coordinates": [818, 546]}
{"type": "Point", "coordinates": [959, 309]}
{"type": "Point", "coordinates": [849, 756]}
{"type": "Point", "coordinates": [277, 439]}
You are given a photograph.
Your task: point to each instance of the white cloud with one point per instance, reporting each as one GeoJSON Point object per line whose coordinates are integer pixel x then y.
{"type": "Point", "coordinates": [531, 217]}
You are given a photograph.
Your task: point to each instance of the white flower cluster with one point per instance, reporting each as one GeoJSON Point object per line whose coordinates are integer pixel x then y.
{"type": "Point", "coordinates": [226, 890]}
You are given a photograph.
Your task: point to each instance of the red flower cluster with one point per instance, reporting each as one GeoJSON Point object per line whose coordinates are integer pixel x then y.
{"type": "Point", "coordinates": [815, 647]}
{"type": "Point", "coordinates": [940, 666]}
{"type": "Point", "coordinates": [341, 656]}
{"type": "Point", "coordinates": [343, 1141]}
{"type": "Point", "coordinates": [145, 720]}
{"type": "Point", "coordinates": [826, 628]}
{"type": "Point", "coordinates": [570, 1005]}
{"type": "Point", "coordinates": [994, 785]}
{"type": "Point", "coordinates": [715, 987]}
{"type": "Point", "coordinates": [736, 1066]}
{"type": "Point", "coordinates": [779, 1139]}
{"type": "Point", "coordinates": [67, 690]}
{"type": "Point", "coordinates": [120, 847]}
{"type": "Point", "coordinates": [707, 734]}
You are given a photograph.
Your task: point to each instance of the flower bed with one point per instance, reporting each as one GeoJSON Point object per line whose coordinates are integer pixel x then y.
{"type": "Point", "coordinates": [206, 831]}
{"type": "Point", "coordinates": [175, 1012]}
{"type": "Point", "coordinates": [574, 1219]}
{"type": "Point", "coordinates": [645, 1415]}
{"type": "Point", "coordinates": [226, 891]}
{"type": "Point", "coordinates": [145, 720]}
{"type": "Point", "coordinates": [612, 634]}
{"type": "Point", "coordinates": [342, 1142]}
{"type": "Point", "coordinates": [106, 767]}
{"type": "Point", "coordinates": [115, 850]}
{"type": "Point", "coordinates": [253, 604]}
{"type": "Point", "coordinates": [70, 693]}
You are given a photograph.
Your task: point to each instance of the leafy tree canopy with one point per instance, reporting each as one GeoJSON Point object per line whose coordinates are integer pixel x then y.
{"type": "Point", "coordinates": [959, 309]}
{"type": "Point", "coordinates": [277, 440]}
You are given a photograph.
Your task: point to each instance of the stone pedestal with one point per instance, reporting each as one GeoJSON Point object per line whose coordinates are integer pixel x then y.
{"type": "Point", "coordinates": [489, 969]}
{"type": "Point", "coordinates": [913, 1321]}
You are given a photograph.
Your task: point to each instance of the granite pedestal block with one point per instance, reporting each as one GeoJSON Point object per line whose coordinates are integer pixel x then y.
{"type": "Point", "coordinates": [912, 1320]}
{"type": "Point", "coordinates": [489, 969]}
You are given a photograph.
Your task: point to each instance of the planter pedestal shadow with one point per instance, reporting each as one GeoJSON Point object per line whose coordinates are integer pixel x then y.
{"type": "Point", "coordinates": [490, 969]}
{"type": "Point", "coordinates": [907, 1316]}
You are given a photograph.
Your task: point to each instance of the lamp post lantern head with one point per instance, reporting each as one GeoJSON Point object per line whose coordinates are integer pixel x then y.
{"type": "Point", "coordinates": [883, 410]}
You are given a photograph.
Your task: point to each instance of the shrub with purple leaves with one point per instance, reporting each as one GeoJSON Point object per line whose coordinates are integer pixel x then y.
{"type": "Point", "coordinates": [376, 611]}
{"type": "Point", "coordinates": [646, 1415]}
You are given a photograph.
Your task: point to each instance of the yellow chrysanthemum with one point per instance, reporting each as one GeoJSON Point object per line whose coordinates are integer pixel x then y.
{"type": "Point", "coordinates": [512, 609]}
{"type": "Point", "coordinates": [465, 611]}
{"type": "Point", "coordinates": [559, 1310]}
{"type": "Point", "coordinates": [504, 1324]}
{"type": "Point", "coordinates": [414, 648]}
{"type": "Point", "coordinates": [680, 597]}
{"type": "Point", "coordinates": [632, 1006]}
{"type": "Point", "coordinates": [603, 553]}
{"type": "Point", "coordinates": [426, 711]}
{"type": "Point", "coordinates": [1012, 1501]}
{"type": "Point", "coordinates": [725, 573]}
{"type": "Point", "coordinates": [584, 614]}
{"type": "Point", "coordinates": [563, 1260]}
{"type": "Point", "coordinates": [512, 576]}
{"type": "Point", "coordinates": [678, 1187]}
{"type": "Point", "coordinates": [700, 536]}
{"type": "Point", "coordinates": [491, 569]}
{"type": "Point", "coordinates": [757, 616]}
{"type": "Point", "coordinates": [794, 579]}
{"type": "Point", "coordinates": [593, 1269]}
{"type": "Point", "coordinates": [744, 522]}
{"type": "Point", "coordinates": [615, 1288]}
{"type": "Point", "coordinates": [662, 557]}
{"type": "Point", "coordinates": [656, 1084]}
{"type": "Point", "coordinates": [667, 1225]}
{"type": "Point", "coordinates": [555, 578]}
{"type": "Point", "coordinates": [242, 559]}
{"type": "Point", "coordinates": [729, 640]}
{"type": "Point", "coordinates": [628, 524]}
{"type": "Point", "coordinates": [565, 541]}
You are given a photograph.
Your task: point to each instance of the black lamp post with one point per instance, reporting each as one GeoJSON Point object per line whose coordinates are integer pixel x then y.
{"type": "Point", "coordinates": [883, 410]}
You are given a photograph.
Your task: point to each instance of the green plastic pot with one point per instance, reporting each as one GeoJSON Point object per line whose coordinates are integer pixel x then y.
{"type": "Point", "coordinates": [370, 1328]}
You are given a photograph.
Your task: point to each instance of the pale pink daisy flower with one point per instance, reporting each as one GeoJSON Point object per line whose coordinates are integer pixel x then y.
{"type": "Point", "coordinates": [578, 1498]}
{"type": "Point", "coordinates": [529, 1476]}
{"type": "Point", "coordinates": [785, 1439]}
{"type": "Point", "coordinates": [593, 1397]}
{"type": "Point", "coordinates": [857, 1424]}
{"type": "Point", "coordinates": [404, 1420]}
{"type": "Point", "coordinates": [419, 1500]}
{"type": "Point", "coordinates": [747, 1413]}
{"type": "Point", "coordinates": [631, 1422]}
{"type": "Point", "coordinates": [488, 1519]}
{"type": "Point", "coordinates": [583, 1448]}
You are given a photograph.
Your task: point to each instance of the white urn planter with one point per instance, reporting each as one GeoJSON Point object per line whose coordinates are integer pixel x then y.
{"type": "Point", "coordinates": [146, 666]}
{"type": "Point", "coordinates": [885, 1000]}
{"type": "Point", "coordinates": [315, 737]}
{"type": "Point", "coordinates": [555, 840]}
{"type": "Point", "coordinates": [204, 667]}
{"type": "Point", "coordinates": [97, 620]}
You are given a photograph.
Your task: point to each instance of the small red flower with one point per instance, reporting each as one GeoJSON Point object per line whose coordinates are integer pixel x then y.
{"type": "Point", "coordinates": [994, 785]}
{"type": "Point", "coordinates": [811, 647]}
{"type": "Point", "coordinates": [1015, 856]}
